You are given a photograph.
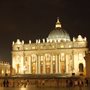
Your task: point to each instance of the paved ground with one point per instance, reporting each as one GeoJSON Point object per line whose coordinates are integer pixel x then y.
{"type": "Point", "coordinates": [34, 88]}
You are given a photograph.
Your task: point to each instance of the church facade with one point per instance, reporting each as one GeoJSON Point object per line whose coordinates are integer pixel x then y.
{"type": "Point", "coordinates": [57, 54]}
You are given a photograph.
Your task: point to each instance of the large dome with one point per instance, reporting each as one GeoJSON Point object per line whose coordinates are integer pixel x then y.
{"type": "Point", "coordinates": [58, 33]}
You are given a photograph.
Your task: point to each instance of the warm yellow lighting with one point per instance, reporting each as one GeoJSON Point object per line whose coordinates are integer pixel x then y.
{"type": "Point", "coordinates": [80, 38]}
{"type": "Point", "coordinates": [2, 72]}
{"type": "Point", "coordinates": [62, 46]}
{"type": "Point", "coordinates": [33, 47]}
{"type": "Point", "coordinates": [58, 24]}
{"type": "Point", "coordinates": [69, 46]}
{"type": "Point", "coordinates": [26, 48]}
{"type": "Point", "coordinates": [74, 39]}
{"type": "Point", "coordinates": [18, 41]}
{"type": "Point", "coordinates": [57, 54]}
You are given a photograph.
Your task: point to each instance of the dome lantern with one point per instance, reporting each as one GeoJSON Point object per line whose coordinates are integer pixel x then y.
{"type": "Point", "coordinates": [58, 24]}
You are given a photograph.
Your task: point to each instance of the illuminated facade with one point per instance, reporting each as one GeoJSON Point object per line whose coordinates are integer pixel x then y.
{"type": "Point", "coordinates": [87, 59]}
{"type": "Point", "coordinates": [57, 54]}
{"type": "Point", "coordinates": [4, 68]}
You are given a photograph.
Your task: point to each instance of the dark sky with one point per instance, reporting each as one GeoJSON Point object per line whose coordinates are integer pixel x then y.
{"type": "Point", "coordinates": [33, 19]}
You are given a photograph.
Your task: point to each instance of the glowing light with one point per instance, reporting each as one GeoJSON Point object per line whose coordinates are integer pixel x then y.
{"type": "Point", "coordinates": [62, 46]}
{"type": "Point", "coordinates": [69, 46]}
{"type": "Point", "coordinates": [58, 25]}
{"type": "Point", "coordinates": [2, 72]}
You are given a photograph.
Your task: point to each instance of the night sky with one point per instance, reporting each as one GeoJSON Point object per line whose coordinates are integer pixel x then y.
{"type": "Point", "coordinates": [34, 19]}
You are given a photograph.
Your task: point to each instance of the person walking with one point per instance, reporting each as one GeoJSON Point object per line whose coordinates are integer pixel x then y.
{"type": "Point", "coordinates": [86, 82]}
{"type": "Point", "coordinates": [80, 84]}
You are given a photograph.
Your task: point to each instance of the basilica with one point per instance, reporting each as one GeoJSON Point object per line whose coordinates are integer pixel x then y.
{"type": "Point", "coordinates": [56, 54]}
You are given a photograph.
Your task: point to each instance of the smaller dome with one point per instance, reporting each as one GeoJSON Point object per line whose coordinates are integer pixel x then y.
{"type": "Point", "coordinates": [58, 33]}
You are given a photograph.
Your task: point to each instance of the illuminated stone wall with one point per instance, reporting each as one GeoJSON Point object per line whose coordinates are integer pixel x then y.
{"type": "Point", "coordinates": [87, 59]}
{"type": "Point", "coordinates": [49, 57]}
{"type": "Point", "coordinates": [4, 68]}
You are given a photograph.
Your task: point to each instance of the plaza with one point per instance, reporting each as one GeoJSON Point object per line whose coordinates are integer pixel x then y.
{"type": "Point", "coordinates": [45, 82]}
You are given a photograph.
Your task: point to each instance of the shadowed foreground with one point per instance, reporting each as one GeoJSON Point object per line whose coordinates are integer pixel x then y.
{"type": "Point", "coordinates": [44, 83]}
{"type": "Point", "coordinates": [44, 88]}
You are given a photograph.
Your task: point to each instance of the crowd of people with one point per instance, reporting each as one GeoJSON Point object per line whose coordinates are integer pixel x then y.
{"type": "Point", "coordinates": [44, 82]}
{"type": "Point", "coordinates": [79, 82]}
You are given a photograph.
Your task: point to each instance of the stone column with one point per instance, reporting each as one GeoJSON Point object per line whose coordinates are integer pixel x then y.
{"type": "Point", "coordinates": [56, 64]}
{"type": "Point", "coordinates": [57, 57]}
{"type": "Point", "coordinates": [38, 65]}
{"type": "Point", "coordinates": [30, 65]}
{"type": "Point", "coordinates": [51, 65]}
{"type": "Point", "coordinates": [59, 64]}
{"type": "Point", "coordinates": [67, 63]}
{"type": "Point", "coordinates": [44, 66]}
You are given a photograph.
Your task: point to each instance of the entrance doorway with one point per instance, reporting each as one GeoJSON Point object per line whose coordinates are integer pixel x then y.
{"type": "Point", "coordinates": [81, 68]}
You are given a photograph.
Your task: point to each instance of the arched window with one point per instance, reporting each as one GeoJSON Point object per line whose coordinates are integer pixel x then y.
{"type": "Point", "coordinates": [81, 67]}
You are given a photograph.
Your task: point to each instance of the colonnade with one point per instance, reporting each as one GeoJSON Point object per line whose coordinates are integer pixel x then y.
{"type": "Point", "coordinates": [46, 64]}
